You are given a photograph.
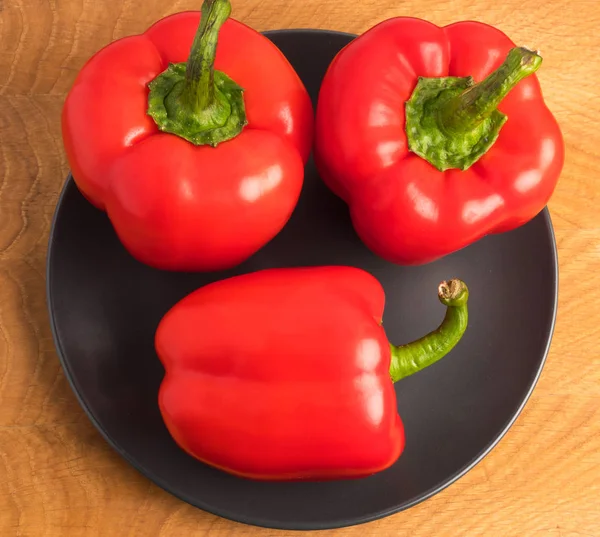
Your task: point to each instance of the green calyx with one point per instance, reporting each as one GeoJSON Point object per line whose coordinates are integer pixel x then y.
{"type": "Point", "coordinates": [413, 357]}
{"type": "Point", "coordinates": [222, 119]}
{"type": "Point", "coordinates": [452, 122]}
{"type": "Point", "coordinates": [192, 99]}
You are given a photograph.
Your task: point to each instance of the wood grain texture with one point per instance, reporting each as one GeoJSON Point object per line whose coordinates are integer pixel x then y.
{"type": "Point", "coordinates": [59, 478]}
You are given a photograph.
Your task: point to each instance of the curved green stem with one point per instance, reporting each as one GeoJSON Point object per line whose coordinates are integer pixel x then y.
{"type": "Point", "coordinates": [413, 357]}
{"type": "Point", "coordinates": [192, 99]}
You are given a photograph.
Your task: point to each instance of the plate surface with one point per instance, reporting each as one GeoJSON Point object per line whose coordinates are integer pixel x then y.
{"type": "Point", "coordinates": [105, 306]}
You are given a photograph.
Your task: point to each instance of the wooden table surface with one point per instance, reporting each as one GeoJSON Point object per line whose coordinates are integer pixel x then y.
{"type": "Point", "coordinates": [58, 477]}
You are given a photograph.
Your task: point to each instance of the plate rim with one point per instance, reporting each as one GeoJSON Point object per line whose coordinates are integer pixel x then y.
{"type": "Point", "coordinates": [263, 522]}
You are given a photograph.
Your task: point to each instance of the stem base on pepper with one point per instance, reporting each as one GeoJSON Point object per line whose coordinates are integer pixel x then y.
{"type": "Point", "coordinates": [192, 99]}
{"type": "Point", "coordinates": [452, 122]}
{"type": "Point", "coordinates": [431, 141]}
{"type": "Point", "coordinates": [222, 120]}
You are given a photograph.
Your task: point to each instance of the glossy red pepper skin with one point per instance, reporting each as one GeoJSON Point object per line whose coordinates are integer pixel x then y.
{"type": "Point", "coordinates": [174, 205]}
{"type": "Point", "coordinates": [402, 207]}
{"type": "Point", "coordinates": [262, 384]}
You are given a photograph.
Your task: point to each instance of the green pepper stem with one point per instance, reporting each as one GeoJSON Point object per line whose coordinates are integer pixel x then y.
{"type": "Point", "coordinates": [465, 111]}
{"type": "Point", "coordinates": [193, 100]}
{"type": "Point", "coordinates": [199, 88]}
{"type": "Point", "coordinates": [413, 357]}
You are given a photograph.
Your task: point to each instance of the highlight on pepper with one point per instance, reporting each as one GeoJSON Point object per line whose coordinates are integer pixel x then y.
{"type": "Point", "coordinates": [287, 374]}
{"type": "Point", "coordinates": [192, 137]}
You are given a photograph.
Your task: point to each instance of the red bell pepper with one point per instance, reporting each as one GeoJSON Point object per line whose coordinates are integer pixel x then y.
{"type": "Point", "coordinates": [197, 164]}
{"type": "Point", "coordinates": [287, 374]}
{"type": "Point", "coordinates": [434, 137]}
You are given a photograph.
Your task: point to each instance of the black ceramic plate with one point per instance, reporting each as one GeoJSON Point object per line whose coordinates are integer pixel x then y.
{"type": "Point", "coordinates": [104, 309]}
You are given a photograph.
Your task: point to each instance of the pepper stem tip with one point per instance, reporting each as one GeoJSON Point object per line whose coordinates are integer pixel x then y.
{"type": "Point", "coordinates": [453, 292]}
